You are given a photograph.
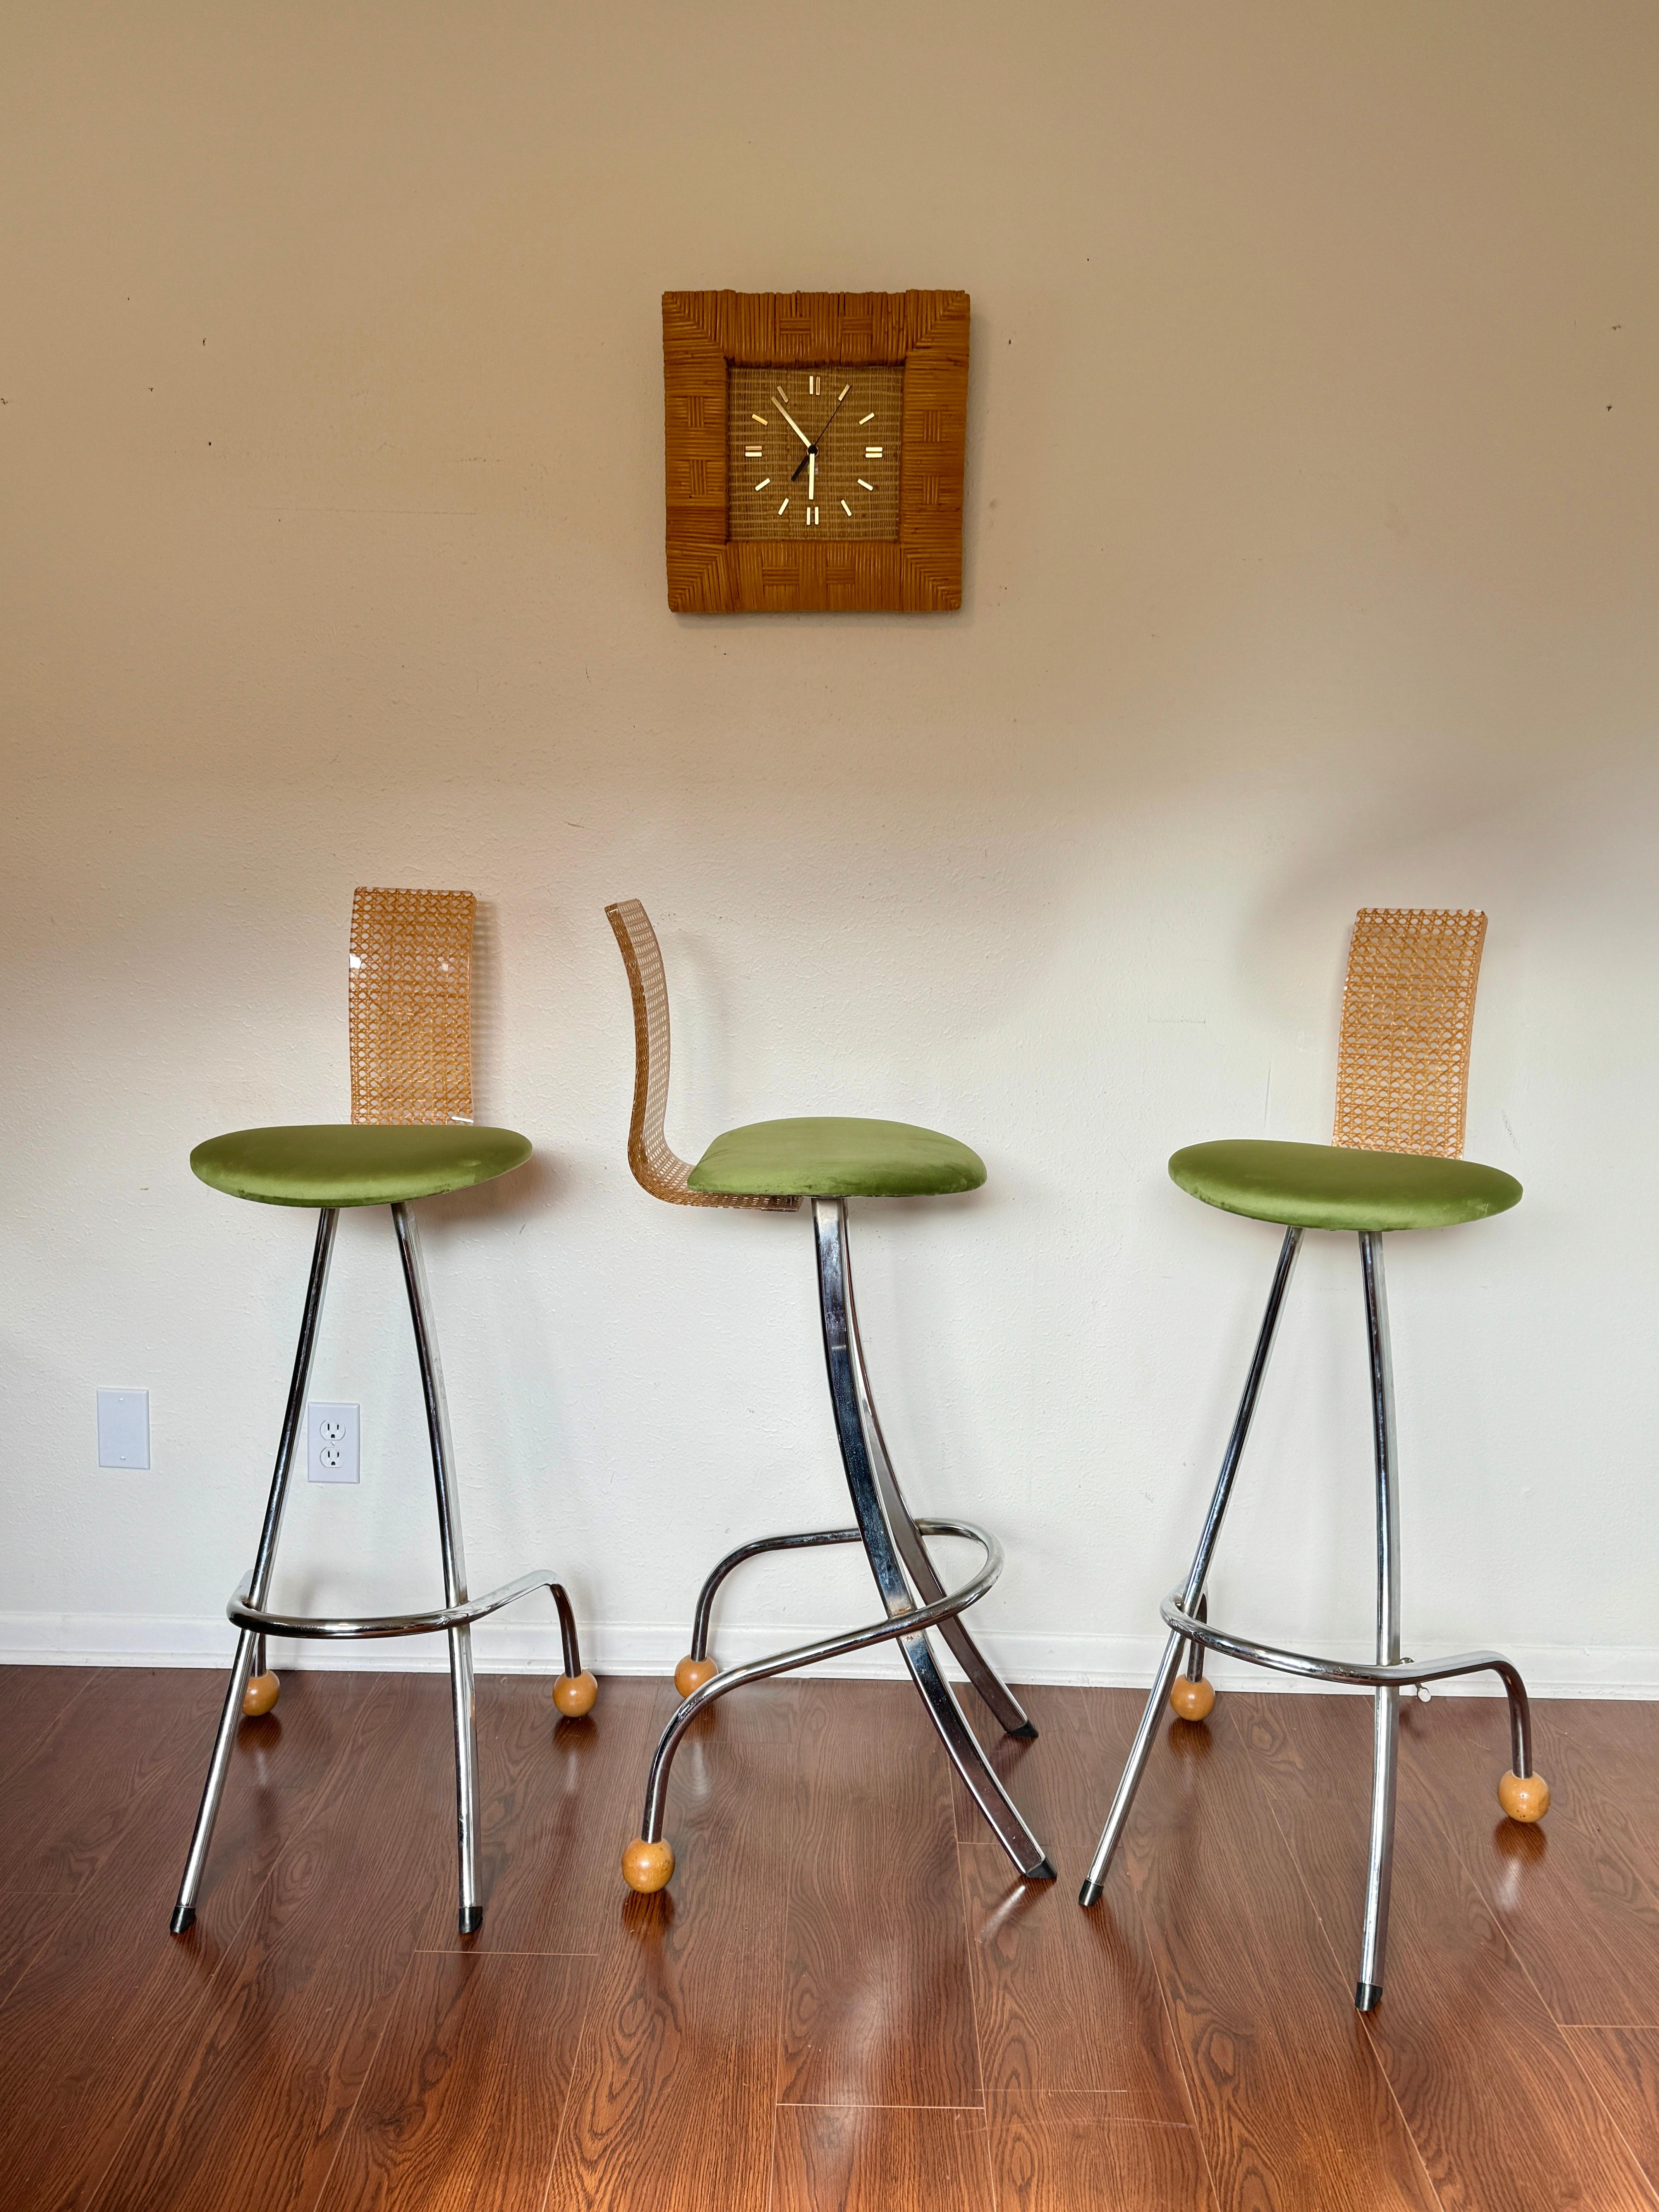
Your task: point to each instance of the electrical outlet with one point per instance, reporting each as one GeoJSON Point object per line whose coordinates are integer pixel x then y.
{"type": "Point", "coordinates": [124, 1428]}
{"type": "Point", "coordinates": [330, 1443]}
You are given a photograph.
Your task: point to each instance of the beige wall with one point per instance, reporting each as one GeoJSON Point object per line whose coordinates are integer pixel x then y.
{"type": "Point", "coordinates": [1310, 562]}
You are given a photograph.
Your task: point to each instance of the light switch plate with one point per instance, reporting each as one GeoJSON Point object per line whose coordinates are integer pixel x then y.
{"type": "Point", "coordinates": [124, 1428]}
{"type": "Point", "coordinates": [330, 1443]}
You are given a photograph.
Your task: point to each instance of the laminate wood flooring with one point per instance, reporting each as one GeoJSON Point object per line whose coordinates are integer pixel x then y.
{"type": "Point", "coordinates": [845, 2002]}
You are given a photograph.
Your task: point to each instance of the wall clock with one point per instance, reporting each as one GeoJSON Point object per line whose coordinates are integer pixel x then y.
{"type": "Point", "coordinates": [815, 444]}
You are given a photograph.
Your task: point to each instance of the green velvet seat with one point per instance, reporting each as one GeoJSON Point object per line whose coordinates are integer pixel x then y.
{"type": "Point", "coordinates": [1333, 1187]}
{"type": "Point", "coordinates": [355, 1164]}
{"type": "Point", "coordinates": [814, 1157]}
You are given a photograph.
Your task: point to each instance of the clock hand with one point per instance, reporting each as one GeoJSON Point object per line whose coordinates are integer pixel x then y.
{"type": "Point", "coordinates": [794, 426]}
{"type": "Point", "coordinates": [813, 447]}
{"type": "Point", "coordinates": [812, 473]}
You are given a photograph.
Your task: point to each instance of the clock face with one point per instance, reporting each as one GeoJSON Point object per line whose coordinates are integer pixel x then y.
{"type": "Point", "coordinates": [813, 453]}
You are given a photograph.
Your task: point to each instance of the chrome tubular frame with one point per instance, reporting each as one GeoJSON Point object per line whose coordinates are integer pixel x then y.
{"type": "Point", "coordinates": [1185, 1613]}
{"type": "Point", "coordinates": [1193, 1631]}
{"type": "Point", "coordinates": [1404, 1677]}
{"type": "Point", "coordinates": [243, 1614]}
{"type": "Point", "coordinates": [248, 1611]}
{"type": "Point", "coordinates": [449, 1542]}
{"type": "Point", "coordinates": [994, 1694]}
{"type": "Point", "coordinates": [1192, 1666]}
{"type": "Point", "coordinates": [915, 1598]}
{"type": "Point", "coordinates": [184, 1911]}
{"type": "Point", "coordinates": [808, 1540]}
{"type": "Point", "coordinates": [824, 1647]}
{"type": "Point", "coordinates": [1385, 1702]}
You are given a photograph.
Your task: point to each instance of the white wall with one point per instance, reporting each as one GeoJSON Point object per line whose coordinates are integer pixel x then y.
{"type": "Point", "coordinates": [1310, 563]}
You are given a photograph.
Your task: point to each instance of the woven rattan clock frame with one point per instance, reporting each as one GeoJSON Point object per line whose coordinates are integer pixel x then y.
{"type": "Point", "coordinates": [918, 573]}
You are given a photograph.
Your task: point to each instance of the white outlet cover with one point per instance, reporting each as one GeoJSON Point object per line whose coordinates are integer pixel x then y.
{"type": "Point", "coordinates": [330, 1443]}
{"type": "Point", "coordinates": [124, 1428]}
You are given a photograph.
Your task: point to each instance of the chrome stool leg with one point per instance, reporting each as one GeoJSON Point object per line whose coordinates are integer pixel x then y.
{"type": "Point", "coordinates": [454, 1565]}
{"type": "Point", "coordinates": [1385, 1754]}
{"type": "Point", "coordinates": [1193, 1668]}
{"type": "Point", "coordinates": [893, 1540]}
{"type": "Point", "coordinates": [648, 1862]}
{"type": "Point", "coordinates": [999, 1700]}
{"type": "Point", "coordinates": [1523, 1794]}
{"type": "Point", "coordinates": [869, 1508]}
{"type": "Point", "coordinates": [250, 1644]}
{"type": "Point", "coordinates": [1192, 1590]}
{"type": "Point", "coordinates": [573, 1693]}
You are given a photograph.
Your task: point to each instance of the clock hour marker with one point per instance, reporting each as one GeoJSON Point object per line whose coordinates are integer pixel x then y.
{"type": "Point", "coordinates": [868, 487]}
{"type": "Point", "coordinates": [760, 419]}
{"type": "Point", "coordinates": [812, 385]}
{"type": "Point", "coordinates": [753, 452]}
{"type": "Point", "coordinates": [762, 485]}
{"type": "Point", "coordinates": [812, 514]}
{"type": "Point", "coordinates": [845, 508]}
{"type": "Point", "coordinates": [845, 389]}
{"type": "Point", "coordinates": [872, 452]}
{"type": "Point", "coordinates": [782, 508]}
{"type": "Point", "coordinates": [869, 418]}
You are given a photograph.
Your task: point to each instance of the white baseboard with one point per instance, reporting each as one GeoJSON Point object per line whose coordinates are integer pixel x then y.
{"type": "Point", "coordinates": [104, 1639]}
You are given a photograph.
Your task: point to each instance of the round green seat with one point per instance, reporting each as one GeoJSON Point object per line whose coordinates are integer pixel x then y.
{"type": "Point", "coordinates": [816, 1157]}
{"type": "Point", "coordinates": [355, 1162]}
{"type": "Point", "coordinates": [1333, 1187]}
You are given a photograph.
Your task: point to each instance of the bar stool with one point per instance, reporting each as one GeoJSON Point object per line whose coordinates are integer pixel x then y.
{"type": "Point", "coordinates": [411, 1136]}
{"type": "Point", "coordinates": [774, 1165]}
{"type": "Point", "coordinates": [1394, 1163]}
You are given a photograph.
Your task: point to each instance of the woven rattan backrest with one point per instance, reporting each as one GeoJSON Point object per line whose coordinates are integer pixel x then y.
{"type": "Point", "coordinates": [411, 998]}
{"type": "Point", "coordinates": [1402, 1067]}
{"type": "Point", "coordinates": [657, 1167]}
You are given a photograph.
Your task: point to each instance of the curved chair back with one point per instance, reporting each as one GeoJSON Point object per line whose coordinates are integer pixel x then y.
{"type": "Point", "coordinates": [657, 1167]}
{"type": "Point", "coordinates": [410, 1000]}
{"type": "Point", "coordinates": [1402, 1069]}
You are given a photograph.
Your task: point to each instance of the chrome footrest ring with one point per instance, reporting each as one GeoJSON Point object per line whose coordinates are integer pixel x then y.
{"type": "Point", "coordinates": [266, 1622]}
{"type": "Point", "coordinates": [915, 1622]}
{"type": "Point", "coordinates": [1407, 1676]}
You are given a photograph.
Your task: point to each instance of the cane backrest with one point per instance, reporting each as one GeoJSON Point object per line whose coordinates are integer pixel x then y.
{"type": "Point", "coordinates": [657, 1167]}
{"type": "Point", "coordinates": [1402, 1069]}
{"type": "Point", "coordinates": [411, 1003]}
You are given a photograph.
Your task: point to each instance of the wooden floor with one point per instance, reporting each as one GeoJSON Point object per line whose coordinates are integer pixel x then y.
{"type": "Point", "coordinates": [844, 2001]}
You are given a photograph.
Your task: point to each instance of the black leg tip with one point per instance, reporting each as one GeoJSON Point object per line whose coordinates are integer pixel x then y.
{"type": "Point", "coordinates": [1026, 1735]}
{"type": "Point", "coordinates": [1042, 1871]}
{"type": "Point", "coordinates": [471, 1918]}
{"type": "Point", "coordinates": [1089, 1894]}
{"type": "Point", "coordinates": [183, 1920]}
{"type": "Point", "coordinates": [1367, 1996]}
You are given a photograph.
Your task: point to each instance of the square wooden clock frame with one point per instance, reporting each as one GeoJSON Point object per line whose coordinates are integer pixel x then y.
{"type": "Point", "coordinates": [919, 572]}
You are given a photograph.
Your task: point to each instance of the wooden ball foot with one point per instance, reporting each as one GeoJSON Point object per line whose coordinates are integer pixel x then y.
{"type": "Point", "coordinates": [647, 1867]}
{"type": "Point", "coordinates": [1193, 1700]}
{"type": "Point", "coordinates": [260, 1695]}
{"type": "Point", "coordinates": [573, 1694]}
{"type": "Point", "coordinates": [1524, 1797]}
{"type": "Point", "coordinates": [691, 1674]}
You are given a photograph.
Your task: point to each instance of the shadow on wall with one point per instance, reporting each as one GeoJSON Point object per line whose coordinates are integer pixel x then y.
{"type": "Point", "coordinates": [1432, 845]}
